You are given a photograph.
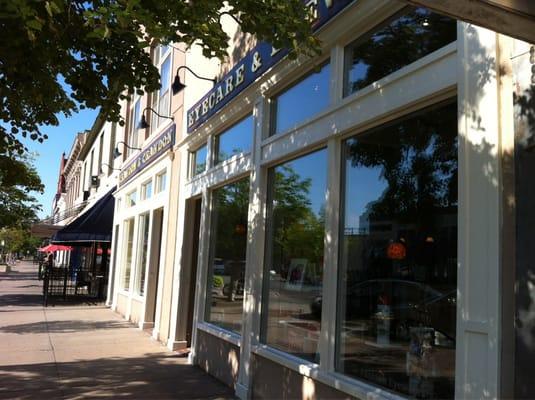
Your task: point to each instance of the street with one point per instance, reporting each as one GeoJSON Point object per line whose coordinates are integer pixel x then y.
{"type": "Point", "coordinates": [79, 352]}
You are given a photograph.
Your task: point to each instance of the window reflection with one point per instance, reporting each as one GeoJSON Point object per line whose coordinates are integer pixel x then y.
{"type": "Point", "coordinates": [129, 246]}
{"type": "Point", "coordinates": [398, 42]}
{"type": "Point", "coordinates": [398, 259]}
{"type": "Point", "coordinates": [199, 160]}
{"type": "Point", "coordinates": [143, 242]}
{"type": "Point", "coordinates": [294, 254]}
{"type": "Point", "coordinates": [304, 99]}
{"type": "Point", "coordinates": [226, 272]}
{"type": "Point", "coordinates": [235, 140]}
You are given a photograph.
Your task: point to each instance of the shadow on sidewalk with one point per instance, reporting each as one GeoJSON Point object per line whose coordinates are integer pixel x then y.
{"type": "Point", "coordinates": [151, 376]}
{"type": "Point", "coordinates": [64, 326]}
{"type": "Point", "coordinates": [21, 300]}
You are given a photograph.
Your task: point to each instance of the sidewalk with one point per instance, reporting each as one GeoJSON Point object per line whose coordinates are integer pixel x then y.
{"type": "Point", "coordinates": [84, 352]}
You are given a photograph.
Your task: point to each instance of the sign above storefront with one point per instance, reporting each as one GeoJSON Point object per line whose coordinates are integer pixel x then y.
{"type": "Point", "coordinates": [253, 65]}
{"type": "Point", "coordinates": [157, 147]}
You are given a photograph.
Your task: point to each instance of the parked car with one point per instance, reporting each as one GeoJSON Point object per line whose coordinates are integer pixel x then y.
{"type": "Point", "coordinates": [408, 303]}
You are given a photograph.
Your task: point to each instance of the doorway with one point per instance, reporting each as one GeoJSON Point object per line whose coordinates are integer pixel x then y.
{"type": "Point", "coordinates": [189, 272]}
{"type": "Point", "coordinates": [153, 268]}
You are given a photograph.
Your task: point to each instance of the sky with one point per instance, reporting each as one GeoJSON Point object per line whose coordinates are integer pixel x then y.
{"type": "Point", "coordinates": [60, 139]}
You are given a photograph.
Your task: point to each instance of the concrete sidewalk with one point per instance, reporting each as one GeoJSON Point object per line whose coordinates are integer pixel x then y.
{"type": "Point", "coordinates": [84, 352]}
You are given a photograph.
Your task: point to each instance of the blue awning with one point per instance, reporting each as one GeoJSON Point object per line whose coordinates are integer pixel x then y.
{"type": "Point", "coordinates": [94, 225]}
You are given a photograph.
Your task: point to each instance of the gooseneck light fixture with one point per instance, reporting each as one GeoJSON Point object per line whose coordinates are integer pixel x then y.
{"type": "Point", "coordinates": [117, 153]}
{"type": "Point", "coordinates": [177, 85]}
{"type": "Point", "coordinates": [144, 124]}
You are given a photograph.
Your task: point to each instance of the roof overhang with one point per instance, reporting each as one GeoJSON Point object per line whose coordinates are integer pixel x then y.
{"type": "Point", "coordinates": [511, 17]}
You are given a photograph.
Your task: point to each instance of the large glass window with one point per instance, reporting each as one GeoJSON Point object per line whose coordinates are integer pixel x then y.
{"type": "Point", "coordinates": [128, 250]}
{"type": "Point", "coordinates": [404, 38]}
{"type": "Point", "coordinates": [291, 320]}
{"type": "Point", "coordinates": [143, 245]}
{"type": "Point", "coordinates": [235, 140]}
{"type": "Point", "coordinates": [199, 160]}
{"type": "Point", "coordinates": [398, 255]}
{"type": "Point", "coordinates": [224, 304]}
{"type": "Point", "coordinates": [304, 99]}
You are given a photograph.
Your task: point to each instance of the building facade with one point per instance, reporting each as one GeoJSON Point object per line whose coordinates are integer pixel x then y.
{"type": "Point", "coordinates": [345, 217]}
{"type": "Point", "coordinates": [353, 225]}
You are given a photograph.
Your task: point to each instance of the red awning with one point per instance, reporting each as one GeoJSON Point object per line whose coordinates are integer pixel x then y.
{"type": "Point", "coordinates": [54, 247]}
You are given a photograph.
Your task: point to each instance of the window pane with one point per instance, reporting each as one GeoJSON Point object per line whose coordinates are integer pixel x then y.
{"type": "Point", "coordinates": [165, 79]}
{"type": "Point", "coordinates": [199, 160]}
{"type": "Point", "coordinates": [129, 245]}
{"type": "Point", "coordinates": [301, 101]}
{"type": "Point", "coordinates": [235, 140]}
{"type": "Point", "coordinates": [396, 43]}
{"type": "Point", "coordinates": [398, 256]}
{"type": "Point", "coordinates": [224, 305]}
{"type": "Point", "coordinates": [161, 181]}
{"type": "Point", "coordinates": [146, 190]}
{"type": "Point", "coordinates": [294, 255]}
{"type": "Point", "coordinates": [165, 76]}
{"type": "Point", "coordinates": [131, 199]}
{"type": "Point", "coordinates": [141, 264]}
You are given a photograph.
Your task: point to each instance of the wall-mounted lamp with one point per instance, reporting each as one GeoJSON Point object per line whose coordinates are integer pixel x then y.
{"type": "Point", "coordinates": [94, 181]}
{"type": "Point", "coordinates": [177, 85]}
{"type": "Point", "coordinates": [144, 124]}
{"type": "Point", "coordinates": [109, 168]}
{"type": "Point", "coordinates": [117, 153]}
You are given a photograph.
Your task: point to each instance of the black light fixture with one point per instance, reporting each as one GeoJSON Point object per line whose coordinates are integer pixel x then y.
{"type": "Point", "coordinates": [143, 124]}
{"type": "Point", "coordinates": [109, 166]}
{"type": "Point", "coordinates": [177, 85]}
{"type": "Point", "coordinates": [117, 153]}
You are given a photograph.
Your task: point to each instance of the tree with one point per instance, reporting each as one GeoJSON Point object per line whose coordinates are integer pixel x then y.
{"type": "Point", "coordinates": [18, 179]}
{"type": "Point", "coordinates": [18, 241]}
{"type": "Point", "coordinates": [58, 56]}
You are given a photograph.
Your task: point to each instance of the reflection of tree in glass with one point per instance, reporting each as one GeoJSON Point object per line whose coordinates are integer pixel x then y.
{"type": "Point", "coordinates": [222, 156]}
{"type": "Point", "coordinates": [232, 202]}
{"type": "Point", "coordinates": [403, 40]}
{"type": "Point", "coordinates": [418, 159]}
{"type": "Point", "coordinates": [297, 230]}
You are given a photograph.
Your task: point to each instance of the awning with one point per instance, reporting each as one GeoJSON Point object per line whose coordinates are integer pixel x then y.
{"type": "Point", "coordinates": [94, 225]}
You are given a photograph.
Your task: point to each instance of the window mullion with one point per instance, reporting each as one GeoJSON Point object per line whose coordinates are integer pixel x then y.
{"type": "Point", "coordinates": [330, 268]}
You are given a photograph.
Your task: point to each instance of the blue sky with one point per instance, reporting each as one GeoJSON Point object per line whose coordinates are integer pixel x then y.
{"type": "Point", "coordinates": [60, 139]}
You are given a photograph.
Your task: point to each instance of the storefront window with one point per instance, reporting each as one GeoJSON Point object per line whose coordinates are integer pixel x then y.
{"type": "Point", "coordinates": [199, 160]}
{"type": "Point", "coordinates": [403, 39]}
{"type": "Point", "coordinates": [235, 140]}
{"type": "Point", "coordinates": [226, 271]}
{"type": "Point", "coordinates": [129, 247]}
{"type": "Point", "coordinates": [398, 255]}
{"type": "Point", "coordinates": [161, 181]}
{"type": "Point", "coordinates": [304, 99]}
{"type": "Point", "coordinates": [141, 265]}
{"type": "Point", "coordinates": [146, 190]}
{"type": "Point", "coordinates": [291, 320]}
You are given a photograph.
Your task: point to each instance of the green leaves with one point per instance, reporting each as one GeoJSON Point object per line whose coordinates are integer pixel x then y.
{"type": "Point", "coordinates": [18, 178]}
{"type": "Point", "coordinates": [57, 56]}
